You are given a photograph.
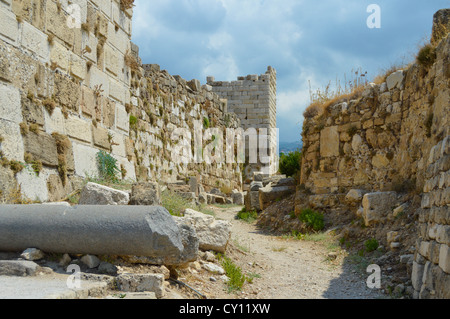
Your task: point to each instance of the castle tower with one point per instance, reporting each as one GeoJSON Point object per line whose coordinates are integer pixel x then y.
{"type": "Point", "coordinates": [253, 99]}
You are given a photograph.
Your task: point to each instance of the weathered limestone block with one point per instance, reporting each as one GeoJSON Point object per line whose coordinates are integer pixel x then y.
{"type": "Point", "coordinates": [355, 196]}
{"type": "Point", "coordinates": [142, 283]}
{"type": "Point", "coordinates": [57, 24]}
{"type": "Point", "coordinates": [43, 147]}
{"type": "Point", "coordinates": [32, 254]}
{"type": "Point", "coordinates": [10, 104]}
{"type": "Point", "coordinates": [67, 92]}
{"type": "Point", "coordinates": [60, 56]}
{"type": "Point", "coordinates": [56, 189]}
{"type": "Point", "coordinates": [145, 194]}
{"type": "Point", "coordinates": [212, 234]}
{"type": "Point", "coordinates": [417, 275]}
{"type": "Point", "coordinates": [329, 142]}
{"type": "Point", "coordinates": [252, 201]}
{"type": "Point", "coordinates": [395, 80]}
{"type": "Point", "coordinates": [269, 195]}
{"type": "Point", "coordinates": [9, 28]}
{"type": "Point", "coordinates": [101, 137]}
{"type": "Point", "coordinates": [377, 206]}
{"type": "Point", "coordinates": [35, 41]}
{"type": "Point", "coordinates": [12, 145]}
{"type": "Point", "coordinates": [94, 194]}
{"type": "Point", "coordinates": [32, 112]}
{"type": "Point", "coordinates": [20, 268]}
{"type": "Point", "coordinates": [444, 259]}
{"type": "Point", "coordinates": [238, 198]}
{"type": "Point", "coordinates": [78, 129]}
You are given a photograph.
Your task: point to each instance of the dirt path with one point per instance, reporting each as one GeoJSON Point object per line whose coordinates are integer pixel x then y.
{"type": "Point", "coordinates": [289, 269]}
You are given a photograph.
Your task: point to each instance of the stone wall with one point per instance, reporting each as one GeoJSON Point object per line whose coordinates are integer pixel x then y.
{"type": "Point", "coordinates": [162, 103]}
{"type": "Point", "coordinates": [72, 84]}
{"type": "Point", "coordinates": [390, 140]}
{"type": "Point", "coordinates": [381, 139]}
{"type": "Point", "coordinates": [253, 99]}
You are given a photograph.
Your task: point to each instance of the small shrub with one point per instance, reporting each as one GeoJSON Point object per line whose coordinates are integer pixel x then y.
{"type": "Point", "coordinates": [313, 220]}
{"type": "Point", "coordinates": [49, 105]}
{"type": "Point", "coordinates": [175, 203]}
{"type": "Point", "coordinates": [236, 278]}
{"type": "Point", "coordinates": [126, 4]}
{"type": "Point", "coordinates": [246, 216]}
{"type": "Point", "coordinates": [206, 123]}
{"type": "Point", "coordinates": [371, 245]}
{"type": "Point", "coordinates": [290, 164]}
{"type": "Point", "coordinates": [133, 122]}
{"type": "Point", "coordinates": [37, 167]}
{"type": "Point", "coordinates": [427, 56]}
{"type": "Point", "coordinates": [16, 166]}
{"type": "Point", "coordinates": [107, 166]}
{"type": "Point", "coordinates": [23, 129]}
{"type": "Point", "coordinates": [227, 190]}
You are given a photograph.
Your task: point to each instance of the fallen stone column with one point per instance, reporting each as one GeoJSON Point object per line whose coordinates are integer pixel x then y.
{"type": "Point", "coordinates": [147, 231]}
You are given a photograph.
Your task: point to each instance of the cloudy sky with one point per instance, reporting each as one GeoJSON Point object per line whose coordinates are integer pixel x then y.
{"type": "Point", "coordinates": [306, 41]}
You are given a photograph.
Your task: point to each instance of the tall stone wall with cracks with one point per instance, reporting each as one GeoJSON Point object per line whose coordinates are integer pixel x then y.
{"type": "Point", "coordinates": [380, 159]}
{"type": "Point", "coordinates": [72, 84]}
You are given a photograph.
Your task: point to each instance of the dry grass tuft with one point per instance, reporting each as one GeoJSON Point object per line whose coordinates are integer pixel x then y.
{"type": "Point", "coordinates": [321, 100]}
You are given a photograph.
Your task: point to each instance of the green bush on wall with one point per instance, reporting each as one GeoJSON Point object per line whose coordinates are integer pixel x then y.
{"type": "Point", "coordinates": [107, 166]}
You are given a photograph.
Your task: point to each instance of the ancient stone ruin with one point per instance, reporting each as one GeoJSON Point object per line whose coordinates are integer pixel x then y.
{"type": "Point", "coordinates": [73, 90]}
{"type": "Point", "coordinates": [70, 89]}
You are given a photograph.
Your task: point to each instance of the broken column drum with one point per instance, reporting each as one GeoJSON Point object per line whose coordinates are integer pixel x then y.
{"type": "Point", "coordinates": [148, 231]}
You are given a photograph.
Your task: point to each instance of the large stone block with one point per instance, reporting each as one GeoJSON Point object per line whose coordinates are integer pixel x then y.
{"type": "Point", "coordinates": [113, 60]}
{"type": "Point", "coordinates": [43, 147]}
{"type": "Point", "coordinates": [395, 80]}
{"type": "Point", "coordinates": [99, 80]}
{"type": "Point", "coordinates": [101, 137]}
{"type": "Point", "coordinates": [252, 201]}
{"type": "Point", "coordinates": [67, 92]}
{"type": "Point", "coordinates": [78, 129]}
{"type": "Point", "coordinates": [9, 27]}
{"type": "Point", "coordinates": [57, 23]}
{"type": "Point", "coordinates": [56, 189]}
{"type": "Point", "coordinates": [85, 158]}
{"type": "Point", "coordinates": [329, 142]}
{"type": "Point", "coordinates": [417, 275]}
{"type": "Point", "coordinates": [35, 41]}
{"type": "Point", "coordinates": [444, 259]}
{"type": "Point", "coordinates": [78, 66]}
{"type": "Point", "coordinates": [142, 283]}
{"type": "Point", "coordinates": [60, 56]}
{"type": "Point", "coordinates": [122, 118]}
{"type": "Point", "coordinates": [146, 194]}
{"type": "Point", "coordinates": [377, 206]}
{"type": "Point", "coordinates": [33, 187]}
{"type": "Point", "coordinates": [212, 234]}
{"type": "Point", "coordinates": [270, 195]}
{"type": "Point", "coordinates": [12, 145]}
{"type": "Point", "coordinates": [95, 194]}
{"type": "Point", "coordinates": [88, 101]}
{"type": "Point", "coordinates": [10, 104]}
